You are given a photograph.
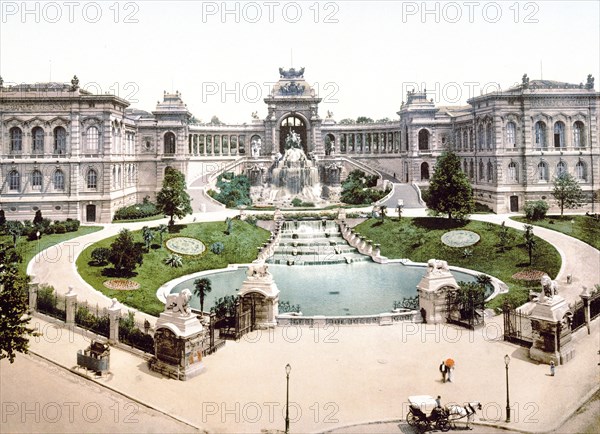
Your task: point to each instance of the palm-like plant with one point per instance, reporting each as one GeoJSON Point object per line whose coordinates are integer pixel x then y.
{"type": "Point", "coordinates": [174, 261]}
{"type": "Point", "coordinates": [201, 288]}
{"type": "Point", "coordinates": [148, 236]}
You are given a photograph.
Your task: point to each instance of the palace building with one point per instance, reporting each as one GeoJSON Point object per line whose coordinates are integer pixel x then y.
{"type": "Point", "coordinates": [74, 154]}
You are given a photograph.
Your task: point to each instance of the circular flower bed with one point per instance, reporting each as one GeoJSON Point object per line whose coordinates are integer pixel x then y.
{"type": "Point", "coordinates": [185, 246]}
{"type": "Point", "coordinates": [529, 275]}
{"type": "Point", "coordinates": [122, 284]}
{"type": "Point", "coordinates": [460, 238]}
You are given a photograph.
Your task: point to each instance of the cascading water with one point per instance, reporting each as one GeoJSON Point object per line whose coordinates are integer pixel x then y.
{"type": "Point", "coordinates": [313, 242]}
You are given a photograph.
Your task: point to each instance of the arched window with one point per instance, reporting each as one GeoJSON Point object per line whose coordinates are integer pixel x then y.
{"type": "Point", "coordinates": [60, 141]}
{"type": "Point", "coordinates": [92, 140]}
{"type": "Point", "coordinates": [488, 135]}
{"type": "Point", "coordinates": [465, 140]}
{"type": "Point", "coordinates": [578, 135]}
{"type": "Point", "coordinates": [471, 139]}
{"type": "Point", "coordinates": [16, 139]}
{"type": "Point", "coordinates": [14, 181]}
{"type": "Point", "coordinates": [465, 167]}
{"type": "Point", "coordinates": [542, 171]}
{"type": "Point", "coordinates": [559, 135]}
{"type": "Point", "coordinates": [59, 180]}
{"type": "Point", "coordinates": [169, 143]}
{"type": "Point", "coordinates": [92, 179]}
{"type": "Point", "coordinates": [424, 171]}
{"type": "Point", "coordinates": [423, 140]}
{"type": "Point", "coordinates": [481, 172]}
{"type": "Point", "coordinates": [561, 168]}
{"type": "Point", "coordinates": [458, 141]}
{"type": "Point", "coordinates": [480, 136]}
{"type": "Point", "coordinates": [511, 135]}
{"type": "Point", "coordinates": [513, 172]}
{"type": "Point", "coordinates": [490, 171]}
{"type": "Point", "coordinates": [540, 134]}
{"type": "Point", "coordinates": [36, 180]}
{"type": "Point", "coordinates": [581, 171]}
{"type": "Point", "coordinates": [471, 170]}
{"type": "Point", "coordinates": [38, 140]}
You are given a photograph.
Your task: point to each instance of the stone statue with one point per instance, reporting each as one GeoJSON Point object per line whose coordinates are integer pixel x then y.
{"type": "Point", "coordinates": [549, 286]}
{"type": "Point", "coordinates": [255, 115]}
{"type": "Point", "coordinates": [329, 114]}
{"type": "Point", "coordinates": [590, 82]}
{"type": "Point", "coordinates": [255, 147]}
{"type": "Point", "coordinates": [179, 303]}
{"type": "Point", "coordinates": [436, 266]}
{"type": "Point", "coordinates": [291, 73]}
{"type": "Point", "coordinates": [1, 82]}
{"type": "Point", "coordinates": [525, 80]}
{"type": "Point", "coordinates": [293, 140]}
{"type": "Point", "coordinates": [292, 89]}
{"type": "Point", "coordinates": [74, 83]}
{"type": "Point", "coordinates": [258, 271]}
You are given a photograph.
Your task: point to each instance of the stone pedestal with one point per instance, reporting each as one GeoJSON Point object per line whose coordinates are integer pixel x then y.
{"type": "Point", "coordinates": [70, 304]}
{"type": "Point", "coordinates": [114, 316]}
{"type": "Point", "coordinates": [178, 340]}
{"type": "Point", "coordinates": [432, 290]}
{"type": "Point", "coordinates": [259, 293]}
{"type": "Point", "coordinates": [33, 293]}
{"type": "Point", "coordinates": [550, 323]}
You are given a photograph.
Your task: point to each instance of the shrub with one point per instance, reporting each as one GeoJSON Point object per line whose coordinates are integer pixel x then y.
{"type": "Point", "coordinates": [137, 211]}
{"type": "Point", "coordinates": [536, 210]}
{"type": "Point", "coordinates": [59, 228]}
{"type": "Point", "coordinates": [174, 261]}
{"type": "Point", "coordinates": [296, 202]}
{"type": "Point", "coordinates": [217, 248]}
{"type": "Point", "coordinates": [100, 255]}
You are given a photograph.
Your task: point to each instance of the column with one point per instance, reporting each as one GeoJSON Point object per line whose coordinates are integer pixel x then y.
{"type": "Point", "coordinates": [70, 303]}
{"type": "Point", "coordinates": [114, 315]}
{"type": "Point", "coordinates": [33, 291]}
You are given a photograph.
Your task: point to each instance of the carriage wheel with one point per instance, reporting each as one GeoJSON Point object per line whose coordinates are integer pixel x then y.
{"type": "Point", "coordinates": [443, 424]}
{"type": "Point", "coordinates": [411, 419]}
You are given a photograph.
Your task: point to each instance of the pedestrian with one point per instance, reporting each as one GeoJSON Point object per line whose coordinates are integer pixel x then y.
{"type": "Point", "coordinates": [443, 370]}
{"type": "Point", "coordinates": [450, 370]}
{"type": "Point", "coordinates": [552, 368]}
{"type": "Point", "coordinates": [438, 402]}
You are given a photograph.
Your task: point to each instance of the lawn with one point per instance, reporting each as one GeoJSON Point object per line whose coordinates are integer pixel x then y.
{"type": "Point", "coordinates": [240, 247]}
{"type": "Point", "coordinates": [419, 239]}
{"type": "Point", "coordinates": [28, 249]}
{"type": "Point", "coordinates": [584, 228]}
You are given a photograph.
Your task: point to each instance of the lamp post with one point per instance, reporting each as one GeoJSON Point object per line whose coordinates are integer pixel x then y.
{"type": "Point", "coordinates": [506, 362]}
{"type": "Point", "coordinates": [399, 207]}
{"type": "Point", "coordinates": [288, 368]}
{"type": "Point", "coordinates": [37, 234]}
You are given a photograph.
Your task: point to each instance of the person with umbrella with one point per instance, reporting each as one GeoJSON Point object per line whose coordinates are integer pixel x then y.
{"type": "Point", "coordinates": [450, 369]}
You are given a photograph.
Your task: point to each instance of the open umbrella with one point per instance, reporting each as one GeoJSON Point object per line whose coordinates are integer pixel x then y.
{"type": "Point", "coordinates": [449, 363]}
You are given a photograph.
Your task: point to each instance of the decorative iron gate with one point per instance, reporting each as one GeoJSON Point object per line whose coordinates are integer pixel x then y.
{"type": "Point", "coordinates": [517, 328]}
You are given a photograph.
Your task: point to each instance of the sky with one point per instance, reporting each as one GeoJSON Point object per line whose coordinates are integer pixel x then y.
{"type": "Point", "coordinates": [361, 56]}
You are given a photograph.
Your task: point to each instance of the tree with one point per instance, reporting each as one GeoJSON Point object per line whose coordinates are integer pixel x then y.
{"type": "Point", "coordinates": [14, 308]}
{"type": "Point", "coordinates": [148, 236]}
{"type": "Point", "coordinates": [15, 229]}
{"type": "Point", "coordinates": [172, 199]}
{"type": "Point", "coordinates": [215, 121]}
{"type": "Point", "coordinates": [567, 192]}
{"type": "Point", "coordinates": [529, 242]}
{"type": "Point", "coordinates": [125, 255]}
{"type": "Point", "coordinates": [382, 212]}
{"type": "Point", "coordinates": [100, 255]}
{"type": "Point", "coordinates": [38, 219]}
{"type": "Point", "coordinates": [364, 120]}
{"type": "Point", "coordinates": [2, 218]}
{"type": "Point", "coordinates": [234, 190]}
{"type": "Point", "coordinates": [201, 288]}
{"type": "Point", "coordinates": [356, 188]}
{"type": "Point", "coordinates": [449, 189]}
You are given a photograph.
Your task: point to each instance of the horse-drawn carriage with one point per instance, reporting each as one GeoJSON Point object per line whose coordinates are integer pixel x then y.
{"type": "Point", "coordinates": [426, 414]}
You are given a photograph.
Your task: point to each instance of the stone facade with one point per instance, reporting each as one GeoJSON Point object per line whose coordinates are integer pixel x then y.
{"type": "Point", "coordinates": [74, 154]}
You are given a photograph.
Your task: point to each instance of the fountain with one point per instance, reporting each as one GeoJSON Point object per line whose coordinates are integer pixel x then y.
{"type": "Point", "coordinates": [313, 242]}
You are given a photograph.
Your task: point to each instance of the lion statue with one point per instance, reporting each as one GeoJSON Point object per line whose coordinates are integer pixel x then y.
{"type": "Point", "coordinates": [179, 302]}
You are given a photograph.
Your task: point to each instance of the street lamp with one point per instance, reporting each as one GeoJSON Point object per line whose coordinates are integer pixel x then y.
{"type": "Point", "coordinates": [288, 368]}
{"type": "Point", "coordinates": [399, 207]}
{"type": "Point", "coordinates": [38, 240]}
{"type": "Point", "coordinates": [506, 362]}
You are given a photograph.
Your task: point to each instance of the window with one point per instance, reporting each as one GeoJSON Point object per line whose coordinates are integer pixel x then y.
{"type": "Point", "coordinates": [465, 140]}
{"type": "Point", "coordinates": [471, 170]}
{"type": "Point", "coordinates": [490, 171]}
{"type": "Point", "coordinates": [59, 180]}
{"type": "Point", "coordinates": [92, 179]}
{"type": "Point", "coordinates": [465, 167]}
{"type": "Point", "coordinates": [488, 135]}
{"type": "Point", "coordinates": [559, 135]}
{"type": "Point", "coordinates": [92, 140]}
{"type": "Point", "coordinates": [424, 171]}
{"type": "Point", "coordinates": [511, 135]}
{"type": "Point", "coordinates": [480, 137]}
{"type": "Point", "coordinates": [36, 180]}
{"type": "Point", "coordinates": [580, 171]}
{"type": "Point", "coordinates": [14, 181]}
{"type": "Point", "coordinates": [471, 139]}
{"type": "Point", "coordinates": [561, 168]}
{"type": "Point", "coordinates": [16, 139]}
{"type": "Point", "coordinates": [578, 135]}
{"type": "Point", "coordinates": [481, 173]}
{"type": "Point", "coordinates": [169, 143]}
{"type": "Point", "coordinates": [60, 141]}
{"type": "Point", "coordinates": [38, 140]}
{"type": "Point", "coordinates": [513, 172]}
{"type": "Point", "coordinates": [540, 134]}
{"type": "Point", "coordinates": [542, 171]}
{"type": "Point", "coordinates": [423, 140]}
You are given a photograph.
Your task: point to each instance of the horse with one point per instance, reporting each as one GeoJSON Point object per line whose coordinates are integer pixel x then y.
{"type": "Point", "coordinates": [456, 412]}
